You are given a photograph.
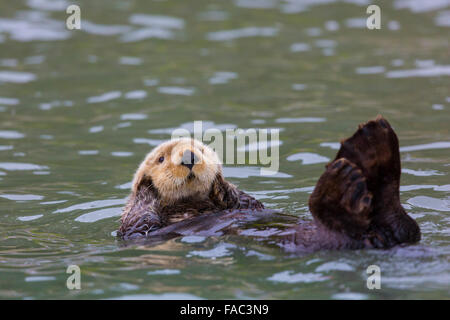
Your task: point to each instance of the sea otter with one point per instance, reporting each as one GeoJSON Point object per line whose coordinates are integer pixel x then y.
{"type": "Point", "coordinates": [179, 189]}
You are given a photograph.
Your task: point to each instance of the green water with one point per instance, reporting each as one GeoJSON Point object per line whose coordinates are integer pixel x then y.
{"type": "Point", "coordinates": [67, 156]}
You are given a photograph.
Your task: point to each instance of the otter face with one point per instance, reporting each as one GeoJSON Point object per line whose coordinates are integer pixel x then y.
{"type": "Point", "coordinates": [178, 169]}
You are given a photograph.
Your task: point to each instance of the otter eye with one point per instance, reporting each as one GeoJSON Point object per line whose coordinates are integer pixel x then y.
{"type": "Point", "coordinates": [161, 159]}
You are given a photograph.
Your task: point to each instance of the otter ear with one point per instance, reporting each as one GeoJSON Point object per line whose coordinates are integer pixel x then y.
{"type": "Point", "coordinates": [141, 180]}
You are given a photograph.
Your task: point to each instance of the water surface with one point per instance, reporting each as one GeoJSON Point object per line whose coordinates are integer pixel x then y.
{"type": "Point", "coordinates": [80, 109]}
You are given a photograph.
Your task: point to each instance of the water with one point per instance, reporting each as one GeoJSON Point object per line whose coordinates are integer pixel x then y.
{"type": "Point", "coordinates": [80, 109]}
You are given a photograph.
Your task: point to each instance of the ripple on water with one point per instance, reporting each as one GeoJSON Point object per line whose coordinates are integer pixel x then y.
{"type": "Point", "coordinates": [124, 186]}
{"type": "Point", "coordinates": [9, 101]}
{"type": "Point", "coordinates": [430, 203]}
{"type": "Point", "coordinates": [434, 71]}
{"type": "Point", "coordinates": [260, 145]}
{"type": "Point", "coordinates": [445, 187]}
{"type": "Point", "coordinates": [123, 125]}
{"type": "Point", "coordinates": [443, 19]}
{"type": "Point", "coordinates": [335, 266]}
{"type": "Point", "coordinates": [298, 86]}
{"type": "Point", "coordinates": [213, 15]}
{"type": "Point", "coordinates": [121, 154]}
{"type": "Point", "coordinates": [290, 277]}
{"type": "Point", "coordinates": [16, 166]}
{"type": "Point", "coordinates": [422, 173]}
{"type": "Point", "coordinates": [50, 5]}
{"type": "Point", "coordinates": [104, 30]}
{"type": "Point", "coordinates": [147, 33]}
{"type": "Point", "coordinates": [245, 172]}
{"type": "Point", "coordinates": [151, 142]}
{"type": "Point", "coordinates": [357, 23]}
{"type": "Point", "coordinates": [193, 239]}
{"type": "Point", "coordinates": [108, 96]}
{"type": "Point", "coordinates": [96, 129]}
{"type": "Point", "coordinates": [222, 77]}
{"type": "Point", "coordinates": [221, 250]}
{"type": "Point", "coordinates": [100, 214]}
{"type": "Point", "coordinates": [133, 116]}
{"type": "Point", "coordinates": [136, 94]}
{"type": "Point", "coordinates": [226, 35]}
{"type": "Point", "coordinates": [163, 296]}
{"type": "Point", "coordinates": [34, 60]}
{"type": "Point", "coordinates": [300, 47]}
{"type": "Point", "coordinates": [411, 282]}
{"type": "Point", "coordinates": [189, 126]}
{"type": "Point", "coordinates": [428, 146]}
{"type": "Point", "coordinates": [133, 61]}
{"type": "Point", "coordinates": [308, 158]}
{"type": "Point", "coordinates": [256, 4]}
{"type": "Point", "coordinates": [437, 106]}
{"type": "Point", "coordinates": [92, 205]}
{"type": "Point", "coordinates": [300, 120]}
{"type": "Point", "coordinates": [350, 296]}
{"type": "Point", "coordinates": [157, 21]}
{"type": "Point", "coordinates": [8, 63]}
{"type": "Point", "coordinates": [30, 218]}
{"type": "Point", "coordinates": [11, 134]}
{"type": "Point", "coordinates": [331, 145]}
{"type": "Point", "coordinates": [34, 26]}
{"type": "Point", "coordinates": [164, 272]}
{"type": "Point", "coordinates": [56, 103]}
{"type": "Point", "coordinates": [21, 197]}
{"type": "Point", "coordinates": [259, 255]}
{"type": "Point", "coordinates": [332, 25]}
{"type": "Point", "coordinates": [151, 82]}
{"type": "Point", "coordinates": [420, 6]}
{"type": "Point", "coordinates": [183, 91]}
{"type": "Point", "coordinates": [16, 76]}
{"type": "Point", "coordinates": [88, 152]}
{"type": "Point", "coordinates": [370, 70]}
{"type": "Point", "coordinates": [39, 278]}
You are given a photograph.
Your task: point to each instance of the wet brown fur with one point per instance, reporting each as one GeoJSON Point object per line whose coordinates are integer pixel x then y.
{"type": "Point", "coordinates": [147, 211]}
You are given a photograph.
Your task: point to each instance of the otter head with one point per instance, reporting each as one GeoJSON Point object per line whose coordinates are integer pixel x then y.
{"type": "Point", "coordinates": [178, 169]}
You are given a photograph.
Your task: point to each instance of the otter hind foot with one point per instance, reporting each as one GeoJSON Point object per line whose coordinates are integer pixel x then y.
{"type": "Point", "coordinates": [341, 200]}
{"type": "Point", "coordinates": [374, 148]}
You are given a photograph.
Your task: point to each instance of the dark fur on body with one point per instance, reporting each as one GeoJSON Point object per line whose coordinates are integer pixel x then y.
{"type": "Point", "coordinates": [355, 204]}
{"type": "Point", "coordinates": [146, 213]}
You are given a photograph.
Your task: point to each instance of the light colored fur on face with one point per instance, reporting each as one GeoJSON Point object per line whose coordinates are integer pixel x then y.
{"type": "Point", "coordinates": [170, 177]}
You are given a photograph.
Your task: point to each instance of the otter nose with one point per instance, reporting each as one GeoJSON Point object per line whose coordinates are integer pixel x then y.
{"type": "Point", "coordinates": [189, 159]}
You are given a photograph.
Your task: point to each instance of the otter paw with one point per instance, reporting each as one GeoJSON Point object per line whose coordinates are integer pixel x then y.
{"type": "Point", "coordinates": [374, 148]}
{"type": "Point", "coordinates": [341, 200]}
